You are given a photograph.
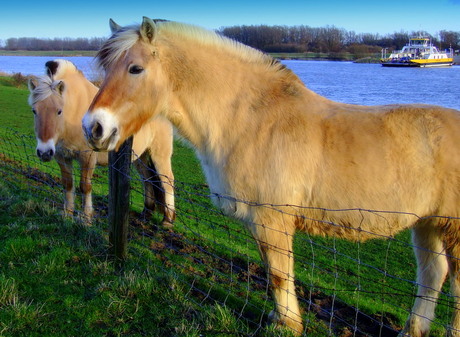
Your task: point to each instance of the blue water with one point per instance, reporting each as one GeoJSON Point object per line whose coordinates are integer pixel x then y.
{"type": "Point", "coordinates": [35, 65]}
{"type": "Point", "coordinates": [372, 84]}
{"type": "Point", "coordinates": [347, 82]}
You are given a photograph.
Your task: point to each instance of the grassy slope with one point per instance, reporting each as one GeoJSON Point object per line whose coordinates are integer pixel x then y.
{"type": "Point", "coordinates": [54, 270]}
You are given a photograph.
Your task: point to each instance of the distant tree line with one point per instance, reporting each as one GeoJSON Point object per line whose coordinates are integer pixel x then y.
{"type": "Point", "coordinates": [302, 38]}
{"type": "Point", "coordinates": [328, 39]}
{"type": "Point", "coordinates": [30, 43]}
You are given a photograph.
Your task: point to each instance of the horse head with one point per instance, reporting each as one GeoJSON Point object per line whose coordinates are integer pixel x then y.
{"type": "Point", "coordinates": [122, 106]}
{"type": "Point", "coordinates": [46, 100]}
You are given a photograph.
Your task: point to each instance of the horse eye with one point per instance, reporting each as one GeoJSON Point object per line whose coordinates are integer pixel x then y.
{"type": "Point", "coordinates": [34, 111]}
{"type": "Point", "coordinates": [59, 112]}
{"type": "Point", "coordinates": [135, 69]}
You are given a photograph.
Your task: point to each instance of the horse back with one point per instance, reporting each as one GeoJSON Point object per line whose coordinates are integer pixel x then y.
{"type": "Point", "coordinates": [351, 167]}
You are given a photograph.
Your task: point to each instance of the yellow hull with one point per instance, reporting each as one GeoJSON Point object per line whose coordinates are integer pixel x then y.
{"type": "Point", "coordinates": [433, 62]}
{"type": "Point", "coordinates": [444, 62]}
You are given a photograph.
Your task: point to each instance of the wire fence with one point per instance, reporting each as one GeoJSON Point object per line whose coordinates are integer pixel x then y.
{"type": "Point", "coordinates": [344, 288]}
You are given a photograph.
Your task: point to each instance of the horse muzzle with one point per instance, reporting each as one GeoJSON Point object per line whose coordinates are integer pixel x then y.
{"type": "Point", "coordinates": [45, 149]}
{"type": "Point", "coordinates": [45, 155]}
{"type": "Point", "coordinates": [100, 130]}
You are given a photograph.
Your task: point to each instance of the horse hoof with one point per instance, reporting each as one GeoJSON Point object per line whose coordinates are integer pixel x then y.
{"type": "Point", "coordinates": [87, 220]}
{"type": "Point", "coordinates": [67, 213]}
{"type": "Point", "coordinates": [294, 326]}
{"type": "Point", "coordinates": [167, 224]}
{"type": "Point", "coordinates": [273, 318]}
{"type": "Point", "coordinates": [146, 215]}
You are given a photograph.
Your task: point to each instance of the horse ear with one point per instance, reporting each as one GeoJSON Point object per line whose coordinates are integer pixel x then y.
{"type": "Point", "coordinates": [60, 87]}
{"type": "Point", "coordinates": [148, 29]}
{"type": "Point", "coordinates": [32, 84]}
{"type": "Point", "coordinates": [114, 27]}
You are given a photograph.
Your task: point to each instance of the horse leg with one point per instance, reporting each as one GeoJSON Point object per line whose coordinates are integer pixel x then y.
{"type": "Point", "coordinates": [65, 165]}
{"type": "Point", "coordinates": [88, 160]}
{"type": "Point", "coordinates": [276, 248]}
{"type": "Point", "coordinates": [452, 239]}
{"type": "Point", "coordinates": [158, 184]}
{"type": "Point", "coordinates": [165, 191]}
{"type": "Point", "coordinates": [432, 269]}
{"type": "Point", "coordinates": [150, 183]}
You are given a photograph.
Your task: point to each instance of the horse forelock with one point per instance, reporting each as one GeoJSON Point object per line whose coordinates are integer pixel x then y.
{"type": "Point", "coordinates": [45, 87]}
{"type": "Point", "coordinates": [116, 45]}
{"type": "Point", "coordinates": [125, 38]}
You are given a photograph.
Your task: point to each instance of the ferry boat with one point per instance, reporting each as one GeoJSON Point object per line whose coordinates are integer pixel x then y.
{"type": "Point", "coordinates": [418, 53]}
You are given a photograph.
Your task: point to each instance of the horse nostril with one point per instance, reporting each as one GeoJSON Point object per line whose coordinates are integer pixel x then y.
{"type": "Point", "coordinates": [97, 130]}
{"type": "Point", "coordinates": [45, 155]}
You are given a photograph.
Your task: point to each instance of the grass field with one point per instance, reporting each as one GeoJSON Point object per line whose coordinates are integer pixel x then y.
{"type": "Point", "coordinates": [204, 278]}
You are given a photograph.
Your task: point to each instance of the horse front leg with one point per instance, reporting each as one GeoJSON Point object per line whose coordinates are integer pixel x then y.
{"type": "Point", "coordinates": [142, 165]}
{"type": "Point", "coordinates": [158, 186]}
{"type": "Point", "coordinates": [165, 192]}
{"type": "Point", "coordinates": [276, 248]}
{"type": "Point", "coordinates": [65, 165]}
{"type": "Point", "coordinates": [432, 269]}
{"type": "Point", "coordinates": [88, 160]}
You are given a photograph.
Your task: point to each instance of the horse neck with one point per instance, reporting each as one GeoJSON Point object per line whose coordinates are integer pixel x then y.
{"type": "Point", "coordinates": [78, 96]}
{"type": "Point", "coordinates": [214, 93]}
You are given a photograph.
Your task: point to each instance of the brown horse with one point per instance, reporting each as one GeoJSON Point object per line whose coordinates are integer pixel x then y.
{"type": "Point", "coordinates": [264, 139]}
{"type": "Point", "coordinates": [59, 101]}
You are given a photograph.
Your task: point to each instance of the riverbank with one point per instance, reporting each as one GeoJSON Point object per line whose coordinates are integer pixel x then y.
{"type": "Point", "coordinates": [308, 56]}
{"type": "Point", "coordinates": [51, 53]}
{"type": "Point", "coordinates": [371, 58]}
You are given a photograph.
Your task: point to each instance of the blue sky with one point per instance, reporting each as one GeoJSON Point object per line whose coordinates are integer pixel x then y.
{"type": "Point", "coordinates": [84, 18]}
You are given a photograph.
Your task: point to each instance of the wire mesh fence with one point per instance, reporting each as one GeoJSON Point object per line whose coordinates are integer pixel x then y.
{"type": "Point", "coordinates": [344, 288]}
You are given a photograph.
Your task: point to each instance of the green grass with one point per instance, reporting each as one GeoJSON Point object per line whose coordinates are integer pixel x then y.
{"type": "Point", "coordinates": [203, 278]}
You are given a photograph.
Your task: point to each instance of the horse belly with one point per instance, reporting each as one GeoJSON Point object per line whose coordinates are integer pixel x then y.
{"type": "Point", "coordinates": [374, 199]}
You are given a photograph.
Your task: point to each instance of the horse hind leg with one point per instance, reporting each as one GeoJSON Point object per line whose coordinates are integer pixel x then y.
{"type": "Point", "coordinates": [276, 249]}
{"type": "Point", "coordinates": [432, 269]}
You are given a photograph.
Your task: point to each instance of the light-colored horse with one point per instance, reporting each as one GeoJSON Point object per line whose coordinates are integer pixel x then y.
{"type": "Point", "coordinates": [264, 139]}
{"type": "Point", "coordinates": [59, 101]}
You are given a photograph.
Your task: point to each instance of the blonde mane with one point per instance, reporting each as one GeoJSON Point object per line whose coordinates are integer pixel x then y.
{"type": "Point", "coordinates": [63, 67]}
{"type": "Point", "coordinates": [125, 38]}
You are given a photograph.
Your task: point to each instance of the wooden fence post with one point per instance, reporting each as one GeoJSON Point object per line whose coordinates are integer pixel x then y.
{"type": "Point", "coordinates": [119, 199]}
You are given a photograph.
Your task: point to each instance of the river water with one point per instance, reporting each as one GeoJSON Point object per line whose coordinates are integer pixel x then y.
{"type": "Point", "coordinates": [347, 82]}
{"type": "Point", "coordinates": [35, 65]}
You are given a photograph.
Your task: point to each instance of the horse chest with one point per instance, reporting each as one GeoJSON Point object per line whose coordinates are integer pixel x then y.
{"type": "Point", "coordinates": [221, 192]}
{"type": "Point", "coordinates": [65, 152]}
